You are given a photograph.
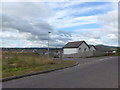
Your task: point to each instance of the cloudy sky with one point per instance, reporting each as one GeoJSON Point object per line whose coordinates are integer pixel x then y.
{"type": "Point", "coordinates": [26, 24]}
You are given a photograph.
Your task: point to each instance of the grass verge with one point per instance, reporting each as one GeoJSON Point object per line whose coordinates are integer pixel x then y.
{"type": "Point", "coordinates": [26, 70]}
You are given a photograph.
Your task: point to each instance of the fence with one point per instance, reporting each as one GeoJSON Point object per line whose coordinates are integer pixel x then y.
{"type": "Point", "coordinates": [85, 54]}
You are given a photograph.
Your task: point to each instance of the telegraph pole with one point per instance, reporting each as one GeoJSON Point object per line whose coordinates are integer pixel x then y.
{"type": "Point", "coordinates": [48, 42]}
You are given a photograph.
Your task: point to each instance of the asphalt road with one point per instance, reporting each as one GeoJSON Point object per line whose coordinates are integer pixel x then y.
{"type": "Point", "coordinates": [98, 72]}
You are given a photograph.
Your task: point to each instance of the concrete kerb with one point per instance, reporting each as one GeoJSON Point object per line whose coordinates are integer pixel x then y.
{"type": "Point", "coordinates": [35, 73]}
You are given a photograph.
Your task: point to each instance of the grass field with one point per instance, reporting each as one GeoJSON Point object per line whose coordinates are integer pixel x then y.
{"type": "Point", "coordinates": [14, 63]}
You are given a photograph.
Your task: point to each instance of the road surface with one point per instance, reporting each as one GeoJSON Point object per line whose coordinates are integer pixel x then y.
{"type": "Point", "coordinates": [98, 72]}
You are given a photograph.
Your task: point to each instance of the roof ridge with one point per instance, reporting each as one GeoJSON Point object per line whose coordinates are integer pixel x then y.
{"type": "Point", "coordinates": [78, 41]}
{"type": "Point", "coordinates": [73, 44]}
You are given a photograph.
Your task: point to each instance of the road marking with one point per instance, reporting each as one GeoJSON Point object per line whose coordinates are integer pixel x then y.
{"type": "Point", "coordinates": [104, 59]}
{"type": "Point", "coordinates": [89, 62]}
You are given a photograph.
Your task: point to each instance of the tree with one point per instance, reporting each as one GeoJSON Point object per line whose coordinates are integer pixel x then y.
{"type": "Point", "coordinates": [118, 49]}
{"type": "Point", "coordinates": [56, 50]}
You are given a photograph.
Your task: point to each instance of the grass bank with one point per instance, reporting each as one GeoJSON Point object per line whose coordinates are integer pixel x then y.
{"type": "Point", "coordinates": [14, 64]}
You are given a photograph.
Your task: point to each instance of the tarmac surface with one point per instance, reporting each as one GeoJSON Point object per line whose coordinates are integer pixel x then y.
{"type": "Point", "coordinates": [97, 72]}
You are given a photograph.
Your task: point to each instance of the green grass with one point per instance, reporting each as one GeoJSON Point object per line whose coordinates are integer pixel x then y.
{"type": "Point", "coordinates": [117, 54]}
{"type": "Point", "coordinates": [19, 71]}
{"type": "Point", "coordinates": [23, 63]}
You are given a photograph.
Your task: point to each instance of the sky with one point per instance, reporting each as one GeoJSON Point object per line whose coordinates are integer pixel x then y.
{"type": "Point", "coordinates": [26, 24]}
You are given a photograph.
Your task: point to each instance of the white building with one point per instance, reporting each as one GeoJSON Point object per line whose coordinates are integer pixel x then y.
{"type": "Point", "coordinates": [92, 48]}
{"type": "Point", "coordinates": [75, 47]}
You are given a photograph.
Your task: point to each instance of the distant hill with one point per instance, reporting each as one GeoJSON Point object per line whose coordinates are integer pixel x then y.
{"type": "Point", "coordinates": [39, 50]}
{"type": "Point", "coordinates": [105, 48]}
{"type": "Point", "coordinates": [33, 48]}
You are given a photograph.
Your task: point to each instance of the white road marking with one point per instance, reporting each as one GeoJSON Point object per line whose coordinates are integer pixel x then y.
{"type": "Point", "coordinates": [104, 59]}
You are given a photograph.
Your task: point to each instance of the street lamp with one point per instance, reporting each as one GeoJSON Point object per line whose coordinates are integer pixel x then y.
{"type": "Point", "coordinates": [48, 43]}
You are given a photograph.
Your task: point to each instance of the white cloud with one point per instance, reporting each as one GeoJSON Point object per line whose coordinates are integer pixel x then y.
{"type": "Point", "coordinates": [25, 18]}
{"type": "Point", "coordinates": [65, 18]}
{"type": "Point", "coordinates": [95, 41]}
{"type": "Point", "coordinates": [110, 27]}
{"type": "Point", "coordinates": [29, 23]}
{"type": "Point", "coordinates": [112, 36]}
{"type": "Point", "coordinates": [107, 34]}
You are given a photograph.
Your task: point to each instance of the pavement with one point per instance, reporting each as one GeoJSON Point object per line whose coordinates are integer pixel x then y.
{"type": "Point", "coordinates": [97, 72]}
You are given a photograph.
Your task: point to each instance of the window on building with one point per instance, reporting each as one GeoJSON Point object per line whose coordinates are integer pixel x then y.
{"type": "Point", "coordinates": [84, 49]}
{"type": "Point", "coordinates": [79, 48]}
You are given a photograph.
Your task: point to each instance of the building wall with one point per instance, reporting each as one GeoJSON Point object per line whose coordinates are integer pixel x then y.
{"type": "Point", "coordinates": [83, 48]}
{"type": "Point", "coordinates": [92, 49]}
{"type": "Point", "coordinates": [85, 54]}
{"type": "Point", "coordinates": [70, 50]}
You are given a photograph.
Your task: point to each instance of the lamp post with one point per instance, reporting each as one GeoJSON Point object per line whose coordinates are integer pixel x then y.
{"type": "Point", "coordinates": [48, 43]}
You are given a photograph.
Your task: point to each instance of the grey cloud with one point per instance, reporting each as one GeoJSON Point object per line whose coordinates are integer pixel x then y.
{"type": "Point", "coordinates": [26, 9]}
{"type": "Point", "coordinates": [58, 45]}
{"type": "Point", "coordinates": [27, 17]}
{"type": "Point", "coordinates": [36, 30]}
{"type": "Point", "coordinates": [91, 34]}
{"type": "Point", "coordinates": [64, 33]}
{"type": "Point", "coordinates": [43, 25]}
{"type": "Point", "coordinates": [21, 25]}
